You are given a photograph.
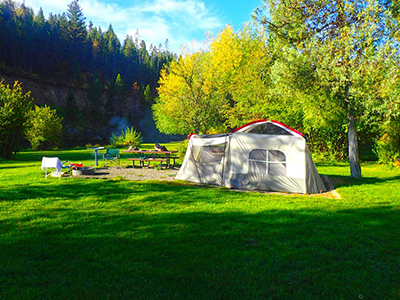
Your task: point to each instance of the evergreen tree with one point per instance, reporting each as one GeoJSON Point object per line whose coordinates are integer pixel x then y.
{"type": "Point", "coordinates": [62, 50]}
{"type": "Point", "coordinates": [76, 37]}
{"type": "Point", "coordinates": [147, 95]}
{"type": "Point", "coordinates": [72, 111]}
{"type": "Point", "coordinates": [112, 51]}
{"type": "Point", "coordinates": [94, 111]}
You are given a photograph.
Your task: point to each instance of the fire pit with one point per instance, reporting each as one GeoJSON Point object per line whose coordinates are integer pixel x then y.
{"type": "Point", "coordinates": [83, 171]}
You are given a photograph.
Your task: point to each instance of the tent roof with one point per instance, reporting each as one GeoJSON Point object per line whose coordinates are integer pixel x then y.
{"type": "Point", "coordinates": [208, 136]}
{"type": "Point", "coordinates": [251, 125]}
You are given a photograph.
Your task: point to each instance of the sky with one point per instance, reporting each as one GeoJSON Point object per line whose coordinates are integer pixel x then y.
{"type": "Point", "coordinates": [183, 22]}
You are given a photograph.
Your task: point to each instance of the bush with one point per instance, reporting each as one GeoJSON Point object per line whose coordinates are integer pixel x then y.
{"type": "Point", "coordinates": [182, 147]}
{"type": "Point", "coordinates": [128, 137]}
{"type": "Point", "coordinates": [43, 128]}
{"type": "Point", "coordinates": [328, 143]}
{"type": "Point", "coordinates": [132, 138]}
{"type": "Point", "coordinates": [14, 105]}
{"type": "Point", "coordinates": [118, 140]}
{"type": "Point", "coordinates": [388, 146]}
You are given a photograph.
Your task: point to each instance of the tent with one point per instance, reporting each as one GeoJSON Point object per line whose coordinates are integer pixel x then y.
{"type": "Point", "coordinates": [262, 155]}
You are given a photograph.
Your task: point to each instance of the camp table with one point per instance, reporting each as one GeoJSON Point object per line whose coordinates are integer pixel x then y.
{"type": "Point", "coordinates": [95, 153]}
{"type": "Point", "coordinates": [147, 156]}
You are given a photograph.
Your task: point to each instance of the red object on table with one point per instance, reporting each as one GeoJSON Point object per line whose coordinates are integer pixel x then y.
{"type": "Point", "coordinates": [80, 165]}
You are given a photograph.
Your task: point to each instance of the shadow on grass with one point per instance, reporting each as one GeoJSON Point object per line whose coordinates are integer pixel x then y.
{"type": "Point", "coordinates": [344, 181]}
{"type": "Point", "coordinates": [9, 167]}
{"type": "Point", "coordinates": [127, 240]}
{"type": "Point", "coordinates": [70, 155]}
{"type": "Point", "coordinates": [331, 164]}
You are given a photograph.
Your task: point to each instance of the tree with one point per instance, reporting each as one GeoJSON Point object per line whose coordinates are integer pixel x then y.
{"type": "Point", "coordinates": [147, 95]}
{"type": "Point", "coordinates": [238, 73]}
{"type": "Point", "coordinates": [14, 105]}
{"type": "Point", "coordinates": [339, 42]}
{"type": "Point", "coordinates": [76, 37]}
{"type": "Point", "coordinates": [112, 50]}
{"type": "Point", "coordinates": [76, 23]}
{"type": "Point", "coordinates": [61, 50]}
{"type": "Point", "coordinates": [384, 110]}
{"type": "Point", "coordinates": [120, 101]}
{"type": "Point", "coordinates": [211, 91]}
{"type": "Point", "coordinates": [43, 128]}
{"type": "Point", "coordinates": [185, 104]}
{"type": "Point", "coordinates": [72, 112]}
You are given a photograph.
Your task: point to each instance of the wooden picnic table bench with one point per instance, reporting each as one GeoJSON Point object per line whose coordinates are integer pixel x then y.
{"type": "Point", "coordinates": [147, 156]}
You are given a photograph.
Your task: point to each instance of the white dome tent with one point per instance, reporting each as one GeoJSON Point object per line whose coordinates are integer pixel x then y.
{"type": "Point", "coordinates": [262, 155]}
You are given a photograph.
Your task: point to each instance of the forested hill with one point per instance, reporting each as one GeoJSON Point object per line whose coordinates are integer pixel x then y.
{"type": "Point", "coordinates": [64, 50]}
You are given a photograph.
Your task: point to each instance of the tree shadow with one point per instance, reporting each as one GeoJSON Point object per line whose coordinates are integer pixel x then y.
{"type": "Point", "coordinates": [131, 250]}
{"type": "Point", "coordinates": [345, 181]}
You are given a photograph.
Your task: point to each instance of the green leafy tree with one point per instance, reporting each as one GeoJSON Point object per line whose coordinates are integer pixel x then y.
{"type": "Point", "coordinates": [185, 103]}
{"type": "Point", "coordinates": [384, 111]}
{"type": "Point", "coordinates": [238, 75]}
{"type": "Point", "coordinates": [338, 42]}
{"type": "Point", "coordinates": [43, 128]}
{"type": "Point", "coordinates": [14, 105]}
{"type": "Point", "coordinates": [223, 88]}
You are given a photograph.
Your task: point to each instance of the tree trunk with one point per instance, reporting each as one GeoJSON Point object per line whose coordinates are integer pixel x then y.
{"type": "Point", "coordinates": [354, 158]}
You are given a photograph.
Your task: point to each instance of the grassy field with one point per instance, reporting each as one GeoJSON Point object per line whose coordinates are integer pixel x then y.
{"type": "Point", "coordinates": [116, 239]}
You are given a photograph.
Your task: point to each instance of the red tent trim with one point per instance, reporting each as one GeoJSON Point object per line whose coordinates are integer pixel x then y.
{"type": "Point", "coordinates": [284, 125]}
{"type": "Point", "coordinates": [272, 121]}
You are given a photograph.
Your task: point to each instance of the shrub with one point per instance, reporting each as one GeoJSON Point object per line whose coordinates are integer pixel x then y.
{"type": "Point", "coordinates": [182, 147]}
{"type": "Point", "coordinates": [132, 137]}
{"type": "Point", "coordinates": [43, 128]}
{"type": "Point", "coordinates": [117, 140]}
{"type": "Point", "coordinates": [128, 137]}
{"type": "Point", "coordinates": [388, 146]}
{"type": "Point", "coordinates": [14, 105]}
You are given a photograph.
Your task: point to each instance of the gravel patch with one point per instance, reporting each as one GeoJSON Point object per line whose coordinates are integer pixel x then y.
{"type": "Point", "coordinates": [131, 173]}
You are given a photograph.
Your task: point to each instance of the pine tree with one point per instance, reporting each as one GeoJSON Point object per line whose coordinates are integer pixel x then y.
{"type": "Point", "coordinates": [112, 50]}
{"type": "Point", "coordinates": [76, 37]}
{"type": "Point", "coordinates": [76, 23]}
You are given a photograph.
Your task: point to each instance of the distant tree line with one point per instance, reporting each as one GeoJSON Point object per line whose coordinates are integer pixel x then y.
{"type": "Point", "coordinates": [64, 49]}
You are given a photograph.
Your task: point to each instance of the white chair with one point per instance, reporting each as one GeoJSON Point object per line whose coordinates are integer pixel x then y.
{"type": "Point", "coordinates": [54, 163]}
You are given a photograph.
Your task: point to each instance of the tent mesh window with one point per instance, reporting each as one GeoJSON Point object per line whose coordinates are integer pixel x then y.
{"type": "Point", "coordinates": [268, 128]}
{"type": "Point", "coordinates": [270, 162]}
{"type": "Point", "coordinates": [209, 154]}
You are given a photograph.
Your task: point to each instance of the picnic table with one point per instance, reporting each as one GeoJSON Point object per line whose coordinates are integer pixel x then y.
{"type": "Point", "coordinates": [144, 157]}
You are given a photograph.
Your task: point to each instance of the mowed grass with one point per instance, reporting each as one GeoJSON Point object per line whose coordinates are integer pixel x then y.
{"type": "Point", "coordinates": [115, 239]}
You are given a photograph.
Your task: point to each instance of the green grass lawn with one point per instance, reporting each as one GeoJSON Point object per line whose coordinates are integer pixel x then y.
{"type": "Point", "coordinates": [115, 239]}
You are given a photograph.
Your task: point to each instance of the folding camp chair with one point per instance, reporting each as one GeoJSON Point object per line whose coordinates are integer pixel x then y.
{"type": "Point", "coordinates": [112, 156]}
{"type": "Point", "coordinates": [54, 163]}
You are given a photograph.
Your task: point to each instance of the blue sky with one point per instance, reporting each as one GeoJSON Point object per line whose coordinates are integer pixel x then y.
{"type": "Point", "coordinates": [182, 22]}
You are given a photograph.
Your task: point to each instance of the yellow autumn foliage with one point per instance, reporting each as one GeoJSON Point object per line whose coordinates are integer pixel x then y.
{"type": "Point", "coordinates": [208, 91]}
